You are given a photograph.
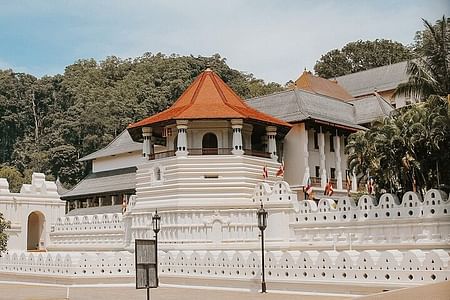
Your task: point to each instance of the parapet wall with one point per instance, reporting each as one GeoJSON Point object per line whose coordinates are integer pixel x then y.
{"type": "Point", "coordinates": [89, 232]}
{"type": "Point", "coordinates": [390, 268]}
{"type": "Point", "coordinates": [386, 267]}
{"type": "Point", "coordinates": [70, 264]}
{"type": "Point", "coordinates": [389, 222]}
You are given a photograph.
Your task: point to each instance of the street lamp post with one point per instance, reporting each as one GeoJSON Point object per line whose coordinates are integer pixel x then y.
{"type": "Point", "coordinates": [262, 224]}
{"type": "Point", "coordinates": [156, 224]}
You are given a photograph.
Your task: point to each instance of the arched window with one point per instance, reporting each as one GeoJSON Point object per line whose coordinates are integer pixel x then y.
{"type": "Point", "coordinates": [209, 144]}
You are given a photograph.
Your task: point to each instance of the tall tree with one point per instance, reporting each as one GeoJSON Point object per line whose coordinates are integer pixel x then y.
{"type": "Point", "coordinates": [359, 56]}
{"type": "Point", "coordinates": [48, 123]}
{"type": "Point", "coordinates": [405, 148]}
{"type": "Point", "coordinates": [429, 73]}
{"type": "Point", "coordinates": [3, 236]}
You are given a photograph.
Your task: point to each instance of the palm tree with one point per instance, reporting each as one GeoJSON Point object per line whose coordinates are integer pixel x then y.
{"type": "Point", "coordinates": [429, 73]}
{"type": "Point", "coordinates": [361, 154]}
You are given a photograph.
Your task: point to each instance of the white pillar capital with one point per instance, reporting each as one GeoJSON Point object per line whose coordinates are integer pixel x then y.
{"type": "Point", "coordinates": [236, 125]}
{"type": "Point", "coordinates": [182, 126]}
{"type": "Point", "coordinates": [147, 145]}
{"type": "Point", "coordinates": [271, 132]}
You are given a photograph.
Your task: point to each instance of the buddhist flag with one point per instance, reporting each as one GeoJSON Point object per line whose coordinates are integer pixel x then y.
{"type": "Point", "coordinates": [265, 172]}
{"type": "Point", "coordinates": [280, 172]}
{"type": "Point", "coordinates": [308, 189]}
{"type": "Point", "coordinates": [328, 188]}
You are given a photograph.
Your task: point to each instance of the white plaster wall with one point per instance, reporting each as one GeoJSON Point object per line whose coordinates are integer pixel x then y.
{"type": "Point", "coordinates": [40, 196]}
{"type": "Point", "coordinates": [294, 154]}
{"type": "Point", "coordinates": [117, 162]}
{"type": "Point", "coordinates": [390, 268]}
{"type": "Point", "coordinates": [101, 232]}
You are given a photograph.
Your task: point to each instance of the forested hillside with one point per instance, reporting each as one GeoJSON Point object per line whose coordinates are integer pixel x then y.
{"type": "Point", "coordinates": [47, 123]}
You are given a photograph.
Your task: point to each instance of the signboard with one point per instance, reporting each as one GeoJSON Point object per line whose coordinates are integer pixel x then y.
{"type": "Point", "coordinates": [145, 261]}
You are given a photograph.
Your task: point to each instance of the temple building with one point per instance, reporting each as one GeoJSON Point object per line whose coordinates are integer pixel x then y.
{"type": "Point", "coordinates": [204, 167]}
{"type": "Point", "coordinates": [323, 114]}
{"type": "Point", "coordinates": [381, 81]}
{"type": "Point", "coordinates": [111, 180]}
{"type": "Point", "coordinates": [210, 119]}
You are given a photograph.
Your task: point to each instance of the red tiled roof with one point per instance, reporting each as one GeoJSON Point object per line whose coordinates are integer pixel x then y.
{"type": "Point", "coordinates": [322, 86]}
{"type": "Point", "coordinates": [208, 97]}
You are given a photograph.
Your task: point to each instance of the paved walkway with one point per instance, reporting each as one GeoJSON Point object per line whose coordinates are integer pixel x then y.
{"type": "Point", "coordinates": [52, 292]}
{"type": "Point", "coordinates": [16, 291]}
{"type": "Point", "coordinates": [435, 291]}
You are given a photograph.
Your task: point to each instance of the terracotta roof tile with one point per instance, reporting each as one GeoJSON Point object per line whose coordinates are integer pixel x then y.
{"type": "Point", "coordinates": [322, 86]}
{"type": "Point", "coordinates": [208, 97]}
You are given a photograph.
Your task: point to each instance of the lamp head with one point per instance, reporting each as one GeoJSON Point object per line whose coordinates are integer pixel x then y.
{"type": "Point", "coordinates": [156, 222]}
{"type": "Point", "coordinates": [262, 218]}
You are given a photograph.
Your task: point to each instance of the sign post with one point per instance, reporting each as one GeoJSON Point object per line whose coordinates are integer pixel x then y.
{"type": "Point", "coordinates": [145, 262]}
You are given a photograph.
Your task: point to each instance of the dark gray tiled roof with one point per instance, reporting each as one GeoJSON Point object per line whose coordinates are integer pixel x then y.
{"type": "Point", "coordinates": [60, 188]}
{"type": "Point", "coordinates": [104, 182]}
{"type": "Point", "coordinates": [298, 105]}
{"type": "Point", "coordinates": [370, 108]}
{"type": "Point", "coordinates": [121, 144]}
{"type": "Point", "coordinates": [381, 79]}
{"type": "Point", "coordinates": [96, 210]}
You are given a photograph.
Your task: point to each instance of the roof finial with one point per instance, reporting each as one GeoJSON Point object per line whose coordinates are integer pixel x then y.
{"type": "Point", "coordinates": [208, 69]}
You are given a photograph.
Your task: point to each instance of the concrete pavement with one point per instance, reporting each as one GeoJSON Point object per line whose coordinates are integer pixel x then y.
{"type": "Point", "coordinates": [15, 291]}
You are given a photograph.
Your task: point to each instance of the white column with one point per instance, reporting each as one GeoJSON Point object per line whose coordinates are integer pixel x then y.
{"type": "Point", "coordinates": [236, 125]}
{"type": "Point", "coordinates": [113, 200]}
{"type": "Point", "coordinates": [271, 134]}
{"type": "Point", "coordinates": [306, 158]}
{"type": "Point", "coordinates": [100, 201]}
{"type": "Point", "coordinates": [88, 202]}
{"type": "Point", "coordinates": [147, 146]}
{"type": "Point", "coordinates": [182, 138]}
{"type": "Point", "coordinates": [354, 182]}
{"type": "Point", "coordinates": [337, 151]}
{"type": "Point", "coordinates": [323, 171]}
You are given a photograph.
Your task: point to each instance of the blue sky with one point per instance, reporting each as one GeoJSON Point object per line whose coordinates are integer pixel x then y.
{"type": "Point", "coordinates": [275, 40]}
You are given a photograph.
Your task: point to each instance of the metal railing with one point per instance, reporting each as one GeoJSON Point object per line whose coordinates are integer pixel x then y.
{"type": "Point", "coordinates": [163, 154]}
{"type": "Point", "coordinates": [257, 153]}
{"type": "Point", "coordinates": [209, 151]}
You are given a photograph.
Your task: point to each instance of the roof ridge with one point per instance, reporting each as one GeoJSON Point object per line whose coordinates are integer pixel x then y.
{"type": "Point", "coordinates": [299, 107]}
{"type": "Point", "coordinates": [103, 148]}
{"type": "Point", "coordinates": [380, 98]}
{"type": "Point", "coordinates": [194, 96]}
{"type": "Point", "coordinates": [327, 96]}
{"type": "Point", "coordinates": [275, 93]}
{"type": "Point", "coordinates": [363, 71]}
{"type": "Point", "coordinates": [197, 90]}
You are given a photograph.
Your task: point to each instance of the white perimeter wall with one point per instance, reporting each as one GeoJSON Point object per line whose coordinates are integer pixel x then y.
{"type": "Point", "coordinates": [39, 196]}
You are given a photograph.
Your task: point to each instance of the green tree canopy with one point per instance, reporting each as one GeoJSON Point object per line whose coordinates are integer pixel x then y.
{"type": "Point", "coordinates": [429, 73]}
{"type": "Point", "coordinates": [14, 177]}
{"type": "Point", "coordinates": [406, 149]}
{"type": "Point", "coordinates": [3, 236]}
{"type": "Point", "coordinates": [359, 56]}
{"type": "Point", "coordinates": [47, 124]}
